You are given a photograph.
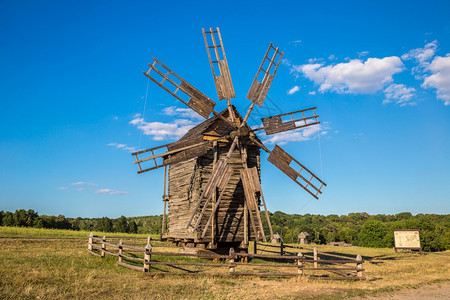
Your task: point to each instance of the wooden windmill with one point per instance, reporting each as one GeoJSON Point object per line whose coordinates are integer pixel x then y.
{"type": "Point", "coordinates": [214, 187]}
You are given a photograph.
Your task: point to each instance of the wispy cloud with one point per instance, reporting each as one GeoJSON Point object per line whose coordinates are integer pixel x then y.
{"type": "Point", "coordinates": [110, 192]}
{"type": "Point", "coordinates": [353, 77]}
{"type": "Point", "coordinates": [122, 147]}
{"type": "Point", "coordinates": [83, 183]}
{"type": "Point", "coordinates": [293, 90]}
{"type": "Point", "coordinates": [400, 94]}
{"type": "Point", "coordinates": [62, 188]}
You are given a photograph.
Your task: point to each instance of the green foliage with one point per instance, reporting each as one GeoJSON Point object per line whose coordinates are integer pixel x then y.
{"type": "Point", "coordinates": [373, 234]}
{"type": "Point", "coordinates": [359, 229]}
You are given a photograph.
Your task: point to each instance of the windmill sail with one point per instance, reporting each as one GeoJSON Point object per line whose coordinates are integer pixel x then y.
{"type": "Point", "coordinates": [304, 177]}
{"type": "Point", "coordinates": [193, 98]}
{"type": "Point", "coordinates": [289, 121]}
{"type": "Point", "coordinates": [261, 84]}
{"type": "Point", "coordinates": [169, 157]}
{"type": "Point", "coordinates": [219, 64]}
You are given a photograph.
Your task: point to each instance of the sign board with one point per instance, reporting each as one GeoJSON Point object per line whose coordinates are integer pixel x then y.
{"type": "Point", "coordinates": [407, 239]}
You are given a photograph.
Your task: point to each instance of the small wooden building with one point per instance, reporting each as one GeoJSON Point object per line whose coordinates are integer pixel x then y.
{"type": "Point", "coordinates": [303, 238]}
{"type": "Point", "coordinates": [187, 179]}
{"type": "Point", "coordinates": [276, 238]}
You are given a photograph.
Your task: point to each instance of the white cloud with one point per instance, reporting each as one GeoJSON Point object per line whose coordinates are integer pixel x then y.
{"type": "Point", "coordinates": [422, 57]}
{"type": "Point", "coordinates": [293, 90]}
{"type": "Point", "coordinates": [63, 188]}
{"type": "Point", "coordinates": [298, 135]}
{"type": "Point", "coordinates": [122, 147]}
{"type": "Point", "coordinates": [110, 192]}
{"type": "Point", "coordinates": [163, 131]}
{"type": "Point", "coordinates": [400, 94]}
{"type": "Point", "coordinates": [81, 189]}
{"type": "Point", "coordinates": [312, 93]}
{"type": "Point", "coordinates": [331, 57]}
{"type": "Point", "coordinates": [182, 112]}
{"type": "Point", "coordinates": [353, 77]}
{"type": "Point", "coordinates": [439, 78]}
{"type": "Point", "coordinates": [187, 118]}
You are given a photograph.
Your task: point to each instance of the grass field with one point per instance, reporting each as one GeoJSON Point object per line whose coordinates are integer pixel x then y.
{"type": "Point", "coordinates": [54, 264]}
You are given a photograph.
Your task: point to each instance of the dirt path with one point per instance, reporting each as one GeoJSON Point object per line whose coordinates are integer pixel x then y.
{"type": "Point", "coordinates": [435, 291]}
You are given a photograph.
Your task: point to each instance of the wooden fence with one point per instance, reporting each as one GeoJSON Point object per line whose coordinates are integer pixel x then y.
{"type": "Point", "coordinates": [147, 258]}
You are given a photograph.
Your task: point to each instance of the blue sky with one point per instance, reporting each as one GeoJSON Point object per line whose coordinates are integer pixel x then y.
{"type": "Point", "coordinates": [72, 99]}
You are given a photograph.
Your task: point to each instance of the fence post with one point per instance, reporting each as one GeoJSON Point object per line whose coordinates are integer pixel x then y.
{"type": "Point", "coordinates": [147, 256]}
{"type": "Point", "coordinates": [315, 258]}
{"type": "Point", "coordinates": [281, 248]}
{"type": "Point", "coordinates": [120, 250]}
{"type": "Point", "coordinates": [103, 246]}
{"type": "Point", "coordinates": [300, 263]}
{"type": "Point", "coordinates": [231, 268]}
{"type": "Point", "coordinates": [359, 266]}
{"type": "Point", "coordinates": [91, 235]}
{"type": "Point", "coordinates": [255, 247]}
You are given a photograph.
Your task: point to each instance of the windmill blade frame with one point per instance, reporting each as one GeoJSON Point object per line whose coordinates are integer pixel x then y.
{"type": "Point", "coordinates": [222, 78]}
{"type": "Point", "coordinates": [282, 160]}
{"type": "Point", "coordinates": [279, 123]}
{"type": "Point", "coordinates": [259, 88]}
{"type": "Point", "coordinates": [197, 101]}
{"type": "Point", "coordinates": [182, 154]}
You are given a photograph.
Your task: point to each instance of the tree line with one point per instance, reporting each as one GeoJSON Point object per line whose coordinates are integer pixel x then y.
{"type": "Point", "coordinates": [359, 229]}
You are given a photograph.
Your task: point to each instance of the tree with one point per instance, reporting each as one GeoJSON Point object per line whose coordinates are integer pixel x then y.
{"type": "Point", "coordinates": [132, 227]}
{"type": "Point", "coordinates": [8, 219]}
{"type": "Point", "coordinates": [104, 225]}
{"type": "Point", "coordinates": [121, 224]}
{"type": "Point", "coordinates": [373, 234]}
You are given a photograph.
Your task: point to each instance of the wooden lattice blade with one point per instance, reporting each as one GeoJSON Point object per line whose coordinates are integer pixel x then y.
{"type": "Point", "coordinates": [180, 89]}
{"type": "Point", "coordinates": [264, 76]}
{"type": "Point", "coordinates": [219, 64]}
{"type": "Point", "coordinates": [167, 157]}
{"type": "Point", "coordinates": [289, 121]}
{"type": "Point", "coordinates": [304, 177]}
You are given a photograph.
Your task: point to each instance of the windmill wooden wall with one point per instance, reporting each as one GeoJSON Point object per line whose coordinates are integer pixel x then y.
{"type": "Point", "coordinates": [187, 180]}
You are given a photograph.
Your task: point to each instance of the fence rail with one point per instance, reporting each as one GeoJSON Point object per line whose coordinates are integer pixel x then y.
{"type": "Point", "coordinates": [304, 264]}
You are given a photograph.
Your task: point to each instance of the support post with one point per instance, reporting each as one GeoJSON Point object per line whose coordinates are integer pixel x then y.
{"type": "Point", "coordinates": [103, 246]}
{"type": "Point", "coordinates": [359, 266]}
{"type": "Point", "coordinates": [300, 264]}
{"type": "Point", "coordinates": [147, 255]}
{"type": "Point", "coordinates": [255, 247]}
{"type": "Point", "coordinates": [231, 268]}
{"type": "Point", "coordinates": [120, 250]}
{"type": "Point", "coordinates": [281, 248]}
{"type": "Point", "coordinates": [316, 257]}
{"type": "Point", "coordinates": [165, 198]}
{"type": "Point", "coordinates": [91, 235]}
{"type": "Point", "coordinates": [246, 222]}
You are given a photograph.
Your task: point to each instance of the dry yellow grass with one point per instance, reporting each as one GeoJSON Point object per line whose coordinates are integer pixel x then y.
{"type": "Point", "coordinates": [43, 268]}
